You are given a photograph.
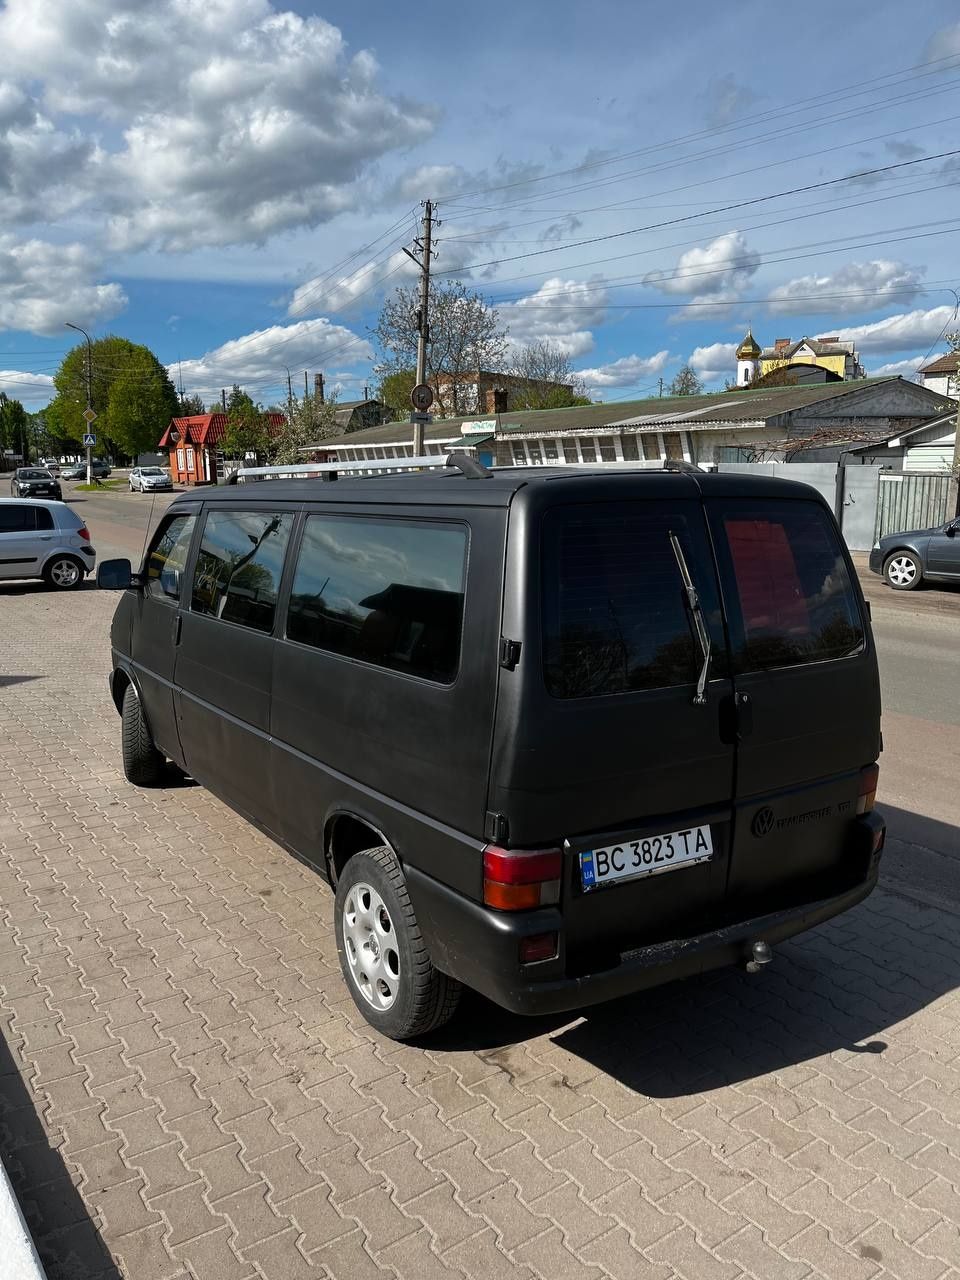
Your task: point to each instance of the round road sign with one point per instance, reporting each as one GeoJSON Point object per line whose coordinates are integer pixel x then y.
{"type": "Point", "coordinates": [421, 397]}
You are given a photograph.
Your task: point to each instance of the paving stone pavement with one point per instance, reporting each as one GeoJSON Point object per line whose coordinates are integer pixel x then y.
{"type": "Point", "coordinates": [187, 1091]}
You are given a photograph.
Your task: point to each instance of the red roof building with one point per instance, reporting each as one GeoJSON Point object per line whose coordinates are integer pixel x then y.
{"type": "Point", "coordinates": [195, 456]}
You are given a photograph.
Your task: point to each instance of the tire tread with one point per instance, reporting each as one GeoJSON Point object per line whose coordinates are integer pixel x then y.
{"type": "Point", "coordinates": [143, 764]}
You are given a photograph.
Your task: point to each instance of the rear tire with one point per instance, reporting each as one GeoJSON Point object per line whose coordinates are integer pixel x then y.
{"type": "Point", "coordinates": [384, 959]}
{"type": "Point", "coordinates": [143, 764]}
{"type": "Point", "coordinates": [903, 571]}
{"type": "Point", "coordinates": [63, 573]}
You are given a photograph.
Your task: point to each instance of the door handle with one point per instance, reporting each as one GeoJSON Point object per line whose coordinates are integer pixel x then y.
{"type": "Point", "coordinates": [46, 537]}
{"type": "Point", "coordinates": [736, 718]}
{"type": "Point", "coordinates": [744, 715]}
{"type": "Point", "coordinates": [176, 628]}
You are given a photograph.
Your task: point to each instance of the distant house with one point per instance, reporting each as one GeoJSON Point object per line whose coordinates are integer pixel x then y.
{"type": "Point", "coordinates": [357, 415]}
{"type": "Point", "coordinates": [789, 363]}
{"type": "Point", "coordinates": [485, 391]}
{"type": "Point", "coordinates": [928, 447]}
{"type": "Point", "coordinates": [193, 444]}
{"type": "Point", "coordinates": [941, 374]}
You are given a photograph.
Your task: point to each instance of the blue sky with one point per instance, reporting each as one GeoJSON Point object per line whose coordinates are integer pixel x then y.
{"type": "Point", "coordinates": [205, 178]}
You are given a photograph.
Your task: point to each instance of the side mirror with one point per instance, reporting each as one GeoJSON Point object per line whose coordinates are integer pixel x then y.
{"type": "Point", "coordinates": [114, 575]}
{"type": "Point", "coordinates": [952, 529]}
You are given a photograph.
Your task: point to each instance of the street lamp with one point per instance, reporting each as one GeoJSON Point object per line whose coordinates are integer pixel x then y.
{"type": "Point", "coordinates": [89, 416]}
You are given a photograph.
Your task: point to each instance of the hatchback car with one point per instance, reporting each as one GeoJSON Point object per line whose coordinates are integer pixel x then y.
{"type": "Point", "coordinates": [555, 734]}
{"type": "Point", "coordinates": [44, 540]}
{"type": "Point", "coordinates": [78, 470]}
{"type": "Point", "coordinates": [35, 482]}
{"type": "Point", "coordinates": [148, 479]}
{"type": "Point", "coordinates": [906, 560]}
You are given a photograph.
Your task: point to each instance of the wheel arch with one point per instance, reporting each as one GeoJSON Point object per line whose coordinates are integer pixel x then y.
{"type": "Point", "coordinates": [347, 833]}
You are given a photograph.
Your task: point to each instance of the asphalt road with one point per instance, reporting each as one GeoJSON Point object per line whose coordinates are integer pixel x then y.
{"type": "Point", "coordinates": [918, 637]}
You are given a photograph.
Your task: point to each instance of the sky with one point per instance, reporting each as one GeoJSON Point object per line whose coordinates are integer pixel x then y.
{"type": "Point", "coordinates": [232, 182]}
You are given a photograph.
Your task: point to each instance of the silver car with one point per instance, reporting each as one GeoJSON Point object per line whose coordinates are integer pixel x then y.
{"type": "Point", "coordinates": [147, 479]}
{"type": "Point", "coordinates": [44, 540]}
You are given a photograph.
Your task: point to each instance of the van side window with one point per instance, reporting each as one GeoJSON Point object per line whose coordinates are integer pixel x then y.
{"type": "Point", "coordinates": [794, 602]}
{"type": "Point", "coordinates": [614, 618]}
{"type": "Point", "coordinates": [167, 557]}
{"type": "Point", "coordinates": [239, 566]}
{"type": "Point", "coordinates": [388, 592]}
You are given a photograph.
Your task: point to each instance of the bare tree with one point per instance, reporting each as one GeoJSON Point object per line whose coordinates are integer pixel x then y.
{"type": "Point", "coordinates": [547, 380]}
{"type": "Point", "coordinates": [465, 337]}
{"type": "Point", "coordinates": [686, 383]}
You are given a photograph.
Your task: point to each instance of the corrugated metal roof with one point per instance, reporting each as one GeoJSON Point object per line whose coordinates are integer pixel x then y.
{"type": "Point", "coordinates": [943, 364]}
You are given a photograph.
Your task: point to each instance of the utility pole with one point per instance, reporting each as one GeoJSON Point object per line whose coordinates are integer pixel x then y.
{"type": "Point", "coordinates": [661, 388]}
{"type": "Point", "coordinates": [89, 415]}
{"type": "Point", "coordinates": [223, 398]}
{"type": "Point", "coordinates": [289, 395]}
{"type": "Point", "coordinates": [306, 388]}
{"type": "Point", "coordinates": [424, 244]}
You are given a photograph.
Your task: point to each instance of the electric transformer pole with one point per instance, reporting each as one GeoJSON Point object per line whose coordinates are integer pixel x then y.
{"type": "Point", "coordinates": [424, 244]}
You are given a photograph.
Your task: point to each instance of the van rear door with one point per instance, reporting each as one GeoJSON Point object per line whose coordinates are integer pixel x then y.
{"type": "Point", "coordinates": [806, 688]}
{"type": "Point", "coordinates": [602, 743]}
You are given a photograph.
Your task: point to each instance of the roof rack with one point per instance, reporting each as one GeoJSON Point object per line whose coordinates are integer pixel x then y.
{"type": "Point", "coordinates": [686, 468]}
{"type": "Point", "coordinates": [454, 461]}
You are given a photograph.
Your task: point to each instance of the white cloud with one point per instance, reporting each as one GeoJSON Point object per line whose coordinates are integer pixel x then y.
{"type": "Point", "coordinates": [726, 99]}
{"type": "Point", "coordinates": [32, 389]}
{"type": "Point", "coordinates": [897, 369]}
{"type": "Point", "coordinates": [560, 312]}
{"type": "Point", "coordinates": [944, 44]}
{"type": "Point", "coordinates": [719, 270]}
{"type": "Point", "coordinates": [237, 120]}
{"type": "Point", "coordinates": [718, 360]}
{"type": "Point", "coordinates": [261, 357]}
{"type": "Point", "coordinates": [901, 332]}
{"type": "Point", "coordinates": [43, 285]}
{"type": "Point", "coordinates": [628, 371]}
{"type": "Point", "coordinates": [339, 293]}
{"type": "Point", "coordinates": [880, 279]}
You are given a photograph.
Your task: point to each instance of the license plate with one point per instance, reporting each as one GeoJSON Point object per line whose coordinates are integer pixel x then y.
{"type": "Point", "coordinates": [649, 856]}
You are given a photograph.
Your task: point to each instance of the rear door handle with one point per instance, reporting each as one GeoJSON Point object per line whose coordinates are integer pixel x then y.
{"type": "Point", "coordinates": [744, 715]}
{"type": "Point", "coordinates": [47, 537]}
{"type": "Point", "coordinates": [177, 628]}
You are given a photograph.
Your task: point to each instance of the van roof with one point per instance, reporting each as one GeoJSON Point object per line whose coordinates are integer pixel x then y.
{"type": "Point", "coordinates": [450, 488]}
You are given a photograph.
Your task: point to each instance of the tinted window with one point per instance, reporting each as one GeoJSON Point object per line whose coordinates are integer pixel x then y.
{"type": "Point", "coordinates": [167, 558]}
{"type": "Point", "coordinates": [15, 518]}
{"type": "Point", "coordinates": [794, 600]}
{"type": "Point", "coordinates": [43, 517]}
{"type": "Point", "coordinates": [388, 592]}
{"type": "Point", "coordinates": [239, 565]}
{"type": "Point", "coordinates": [614, 613]}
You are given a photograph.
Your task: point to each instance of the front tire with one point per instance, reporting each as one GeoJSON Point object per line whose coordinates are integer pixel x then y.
{"type": "Point", "coordinates": [903, 571]}
{"type": "Point", "coordinates": [143, 764]}
{"type": "Point", "coordinates": [384, 959]}
{"type": "Point", "coordinates": [63, 573]}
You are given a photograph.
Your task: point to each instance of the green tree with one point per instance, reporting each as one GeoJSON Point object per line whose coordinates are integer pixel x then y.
{"type": "Point", "coordinates": [465, 336]}
{"type": "Point", "coordinates": [130, 422]}
{"type": "Point", "coordinates": [394, 390]}
{"type": "Point", "coordinates": [308, 422]}
{"type": "Point", "coordinates": [686, 383]}
{"type": "Point", "coordinates": [246, 430]}
{"type": "Point", "coordinates": [17, 425]}
{"type": "Point", "coordinates": [190, 406]}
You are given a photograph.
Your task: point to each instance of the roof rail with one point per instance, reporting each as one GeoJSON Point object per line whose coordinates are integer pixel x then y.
{"type": "Point", "coordinates": [458, 460]}
{"type": "Point", "coordinates": [686, 468]}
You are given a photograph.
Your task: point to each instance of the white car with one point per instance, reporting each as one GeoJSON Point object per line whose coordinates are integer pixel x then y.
{"type": "Point", "coordinates": [147, 479]}
{"type": "Point", "coordinates": [48, 540]}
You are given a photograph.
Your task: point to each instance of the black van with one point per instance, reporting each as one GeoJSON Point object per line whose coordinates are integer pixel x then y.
{"type": "Point", "coordinates": [557, 734]}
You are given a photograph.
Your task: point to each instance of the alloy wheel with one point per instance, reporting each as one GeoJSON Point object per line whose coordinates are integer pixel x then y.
{"type": "Point", "coordinates": [64, 573]}
{"type": "Point", "coordinates": [901, 571]}
{"type": "Point", "coordinates": [371, 946]}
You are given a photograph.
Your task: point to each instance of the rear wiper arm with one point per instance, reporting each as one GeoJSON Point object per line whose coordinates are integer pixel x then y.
{"type": "Point", "coordinates": [696, 613]}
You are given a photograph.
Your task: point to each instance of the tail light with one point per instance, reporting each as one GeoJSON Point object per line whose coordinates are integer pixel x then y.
{"type": "Point", "coordinates": [867, 795]}
{"type": "Point", "coordinates": [84, 533]}
{"type": "Point", "coordinates": [521, 879]}
{"type": "Point", "coordinates": [539, 946]}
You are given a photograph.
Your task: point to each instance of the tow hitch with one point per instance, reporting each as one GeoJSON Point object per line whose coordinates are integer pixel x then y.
{"type": "Point", "coordinates": [761, 955]}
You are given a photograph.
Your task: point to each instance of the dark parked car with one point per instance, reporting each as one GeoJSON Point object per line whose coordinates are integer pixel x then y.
{"type": "Point", "coordinates": [555, 734]}
{"type": "Point", "coordinates": [35, 482]}
{"type": "Point", "coordinates": [924, 555]}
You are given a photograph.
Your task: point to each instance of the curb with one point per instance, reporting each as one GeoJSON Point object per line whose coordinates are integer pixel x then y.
{"type": "Point", "coordinates": [19, 1257]}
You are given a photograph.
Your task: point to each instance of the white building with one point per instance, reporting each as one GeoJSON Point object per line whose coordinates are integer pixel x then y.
{"type": "Point", "coordinates": [941, 375]}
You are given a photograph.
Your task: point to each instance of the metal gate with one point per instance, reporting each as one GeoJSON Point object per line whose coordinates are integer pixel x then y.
{"type": "Point", "coordinates": [911, 500]}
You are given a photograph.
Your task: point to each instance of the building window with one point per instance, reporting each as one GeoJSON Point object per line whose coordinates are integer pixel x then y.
{"type": "Point", "coordinates": [386, 592]}
{"type": "Point", "coordinates": [673, 446]}
{"type": "Point", "coordinates": [588, 449]}
{"type": "Point", "coordinates": [651, 447]}
{"type": "Point", "coordinates": [168, 557]}
{"type": "Point", "coordinates": [380, 454]}
{"type": "Point", "coordinates": [608, 449]}
{"type": "Point", "coordinates": [570, 450]}
{"type": "Point", "coordinates": [536, 457]}
{"type": "Point", "coordinates": [628, 442]}
{"type": "Point", "coordinates": [190, 461]}
{"type": "Point", "coordinates": [239, 566]}
{"type": "Point", "coordinates": [181, 461]}
{"type": "Point", "coordinates": [550, 450]}
{"type": "Point", "coordinates": [519, 453]}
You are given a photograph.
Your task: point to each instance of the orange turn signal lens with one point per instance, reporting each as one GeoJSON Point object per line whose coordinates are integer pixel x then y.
{"type": "Point", "coordinates": [511, 897]}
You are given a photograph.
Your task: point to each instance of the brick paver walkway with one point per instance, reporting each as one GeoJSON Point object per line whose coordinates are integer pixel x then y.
{"type": "Point", "coordinates": [186, 1090]}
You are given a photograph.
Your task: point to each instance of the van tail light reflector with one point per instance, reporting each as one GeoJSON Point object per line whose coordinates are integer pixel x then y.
{"type": "Point", "coordinates": [539, 946]}
{"type": "Point", "coordinates": [84, 533]}
{"type": "Point", "coordinates": [521, 879]}
{"type": "Point", "coordinates": [867, 796]}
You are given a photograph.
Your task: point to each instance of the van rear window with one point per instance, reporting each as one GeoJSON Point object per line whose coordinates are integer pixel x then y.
{"type": "Point", "coordinates": [794, 602]}
{"type": "Point", "coordinates": [614, 613]}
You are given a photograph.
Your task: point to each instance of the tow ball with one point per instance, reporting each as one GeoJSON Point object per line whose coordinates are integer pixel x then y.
{"type": "Point", "coordinates": [761, 955]}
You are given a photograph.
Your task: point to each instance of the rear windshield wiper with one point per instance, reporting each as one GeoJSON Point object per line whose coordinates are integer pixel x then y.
{"type": "Point", "coordinates": [696, 613]}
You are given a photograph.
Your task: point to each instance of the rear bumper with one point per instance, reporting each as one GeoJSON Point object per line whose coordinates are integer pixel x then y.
{"type": "Point", "coordinates": [480, 947]}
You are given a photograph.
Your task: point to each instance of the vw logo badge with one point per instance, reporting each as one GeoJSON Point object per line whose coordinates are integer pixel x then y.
{"type": "Point", "coordinates": [763, 822]}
